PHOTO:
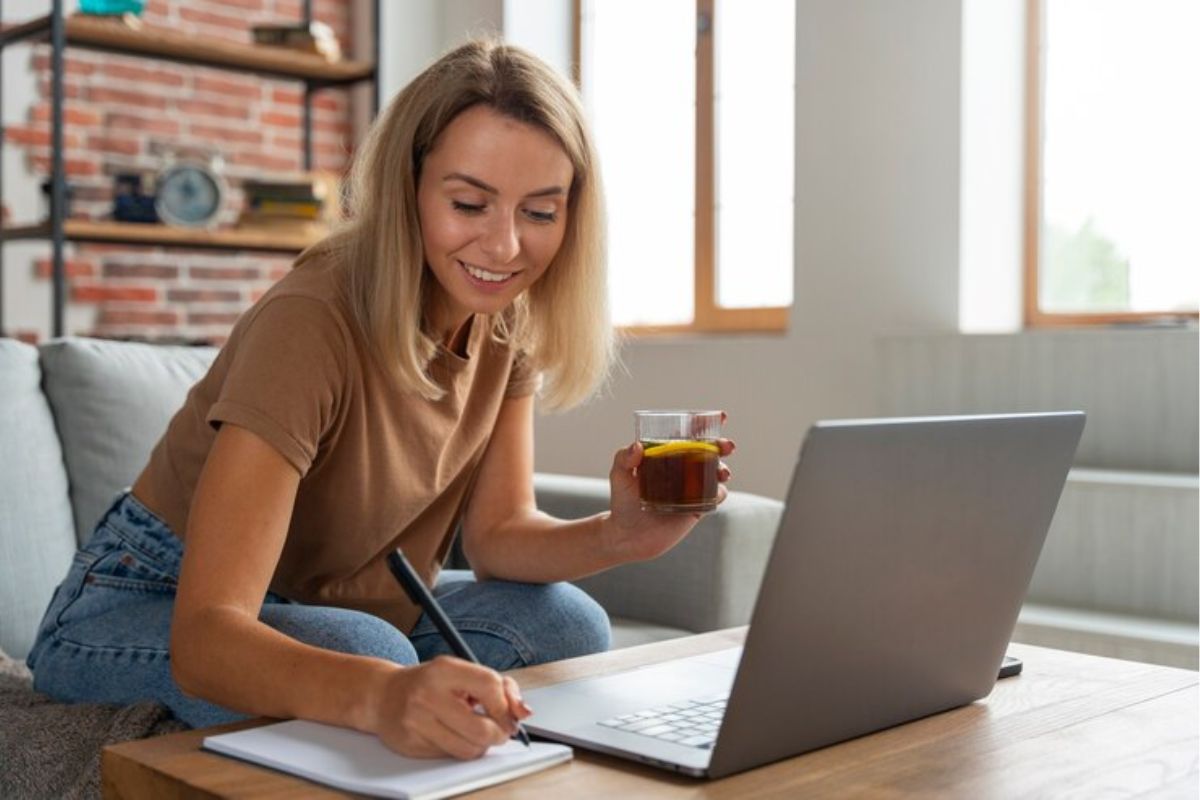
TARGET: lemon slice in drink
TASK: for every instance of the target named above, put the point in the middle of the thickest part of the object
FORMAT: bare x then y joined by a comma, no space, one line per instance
679,447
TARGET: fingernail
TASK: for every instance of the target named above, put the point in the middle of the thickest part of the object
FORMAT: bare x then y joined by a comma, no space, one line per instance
525,707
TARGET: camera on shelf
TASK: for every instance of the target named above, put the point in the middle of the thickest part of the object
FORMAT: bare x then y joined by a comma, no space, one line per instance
130,202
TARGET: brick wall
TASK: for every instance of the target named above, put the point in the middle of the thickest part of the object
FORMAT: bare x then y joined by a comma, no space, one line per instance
130,114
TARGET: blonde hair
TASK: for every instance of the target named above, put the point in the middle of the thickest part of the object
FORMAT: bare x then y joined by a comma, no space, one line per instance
561,324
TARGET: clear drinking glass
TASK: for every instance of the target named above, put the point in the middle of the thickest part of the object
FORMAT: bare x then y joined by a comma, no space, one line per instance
680,456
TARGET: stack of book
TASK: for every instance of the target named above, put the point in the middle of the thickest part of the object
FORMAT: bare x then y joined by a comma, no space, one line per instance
306,204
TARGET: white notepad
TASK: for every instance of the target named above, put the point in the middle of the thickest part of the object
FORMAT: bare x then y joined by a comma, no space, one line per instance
359,762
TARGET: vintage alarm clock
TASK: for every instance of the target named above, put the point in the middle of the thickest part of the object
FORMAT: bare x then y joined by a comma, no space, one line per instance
189,193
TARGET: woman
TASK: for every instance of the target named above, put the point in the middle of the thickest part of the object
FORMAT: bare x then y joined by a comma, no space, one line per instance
377,397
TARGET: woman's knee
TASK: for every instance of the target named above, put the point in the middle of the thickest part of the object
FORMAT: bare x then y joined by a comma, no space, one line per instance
341,629
568,623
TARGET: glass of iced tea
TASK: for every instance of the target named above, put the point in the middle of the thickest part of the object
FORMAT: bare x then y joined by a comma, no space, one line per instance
680,456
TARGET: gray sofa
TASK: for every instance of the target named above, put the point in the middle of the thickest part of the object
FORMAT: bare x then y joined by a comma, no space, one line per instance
78,418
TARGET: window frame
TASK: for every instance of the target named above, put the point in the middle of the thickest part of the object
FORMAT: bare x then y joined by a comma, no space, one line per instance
1035,97
707,315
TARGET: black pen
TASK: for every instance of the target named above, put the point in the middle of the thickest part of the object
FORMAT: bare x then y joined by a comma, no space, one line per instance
419,594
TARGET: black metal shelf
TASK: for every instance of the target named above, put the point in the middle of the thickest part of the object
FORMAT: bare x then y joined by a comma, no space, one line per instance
115,36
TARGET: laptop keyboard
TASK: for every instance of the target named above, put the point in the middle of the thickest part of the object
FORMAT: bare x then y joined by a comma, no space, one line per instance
692,723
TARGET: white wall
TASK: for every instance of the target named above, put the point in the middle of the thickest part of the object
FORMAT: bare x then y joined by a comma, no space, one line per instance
415,32
877,180
547,27
418,31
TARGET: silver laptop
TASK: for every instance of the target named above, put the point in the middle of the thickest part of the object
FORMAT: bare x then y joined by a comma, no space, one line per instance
901,560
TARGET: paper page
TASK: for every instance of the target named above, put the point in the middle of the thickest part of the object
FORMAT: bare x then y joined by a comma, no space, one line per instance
359,762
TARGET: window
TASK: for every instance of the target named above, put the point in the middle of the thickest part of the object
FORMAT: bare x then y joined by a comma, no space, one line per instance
1113,161
692,104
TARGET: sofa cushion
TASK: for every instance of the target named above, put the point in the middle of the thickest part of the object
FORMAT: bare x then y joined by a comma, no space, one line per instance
37,532
628,632
112,401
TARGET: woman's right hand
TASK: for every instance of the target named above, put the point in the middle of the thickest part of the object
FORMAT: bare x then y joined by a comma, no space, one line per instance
447,707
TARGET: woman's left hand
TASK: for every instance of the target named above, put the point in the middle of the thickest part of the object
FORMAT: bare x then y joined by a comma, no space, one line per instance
637,535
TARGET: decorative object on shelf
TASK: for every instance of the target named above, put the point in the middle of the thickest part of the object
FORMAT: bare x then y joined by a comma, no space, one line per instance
307,37
111,8
190,193
130,204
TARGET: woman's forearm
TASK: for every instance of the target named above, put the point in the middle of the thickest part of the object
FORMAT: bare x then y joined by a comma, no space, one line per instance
537,548
225,657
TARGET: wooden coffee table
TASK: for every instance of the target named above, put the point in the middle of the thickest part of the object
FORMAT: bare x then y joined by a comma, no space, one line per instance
1069,725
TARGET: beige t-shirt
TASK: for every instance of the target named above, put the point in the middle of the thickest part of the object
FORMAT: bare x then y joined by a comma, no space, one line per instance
379,469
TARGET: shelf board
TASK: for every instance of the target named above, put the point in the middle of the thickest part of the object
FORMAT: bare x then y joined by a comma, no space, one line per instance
113,35
153,235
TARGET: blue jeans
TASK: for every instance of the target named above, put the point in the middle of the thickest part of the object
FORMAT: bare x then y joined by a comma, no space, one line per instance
105,633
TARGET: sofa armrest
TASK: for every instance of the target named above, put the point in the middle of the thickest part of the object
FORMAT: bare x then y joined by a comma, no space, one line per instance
708,581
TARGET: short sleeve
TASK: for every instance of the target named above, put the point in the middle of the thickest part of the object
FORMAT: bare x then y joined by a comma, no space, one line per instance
286,376
523,378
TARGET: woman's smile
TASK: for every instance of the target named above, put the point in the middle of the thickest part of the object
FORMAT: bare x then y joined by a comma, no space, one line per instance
487,280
